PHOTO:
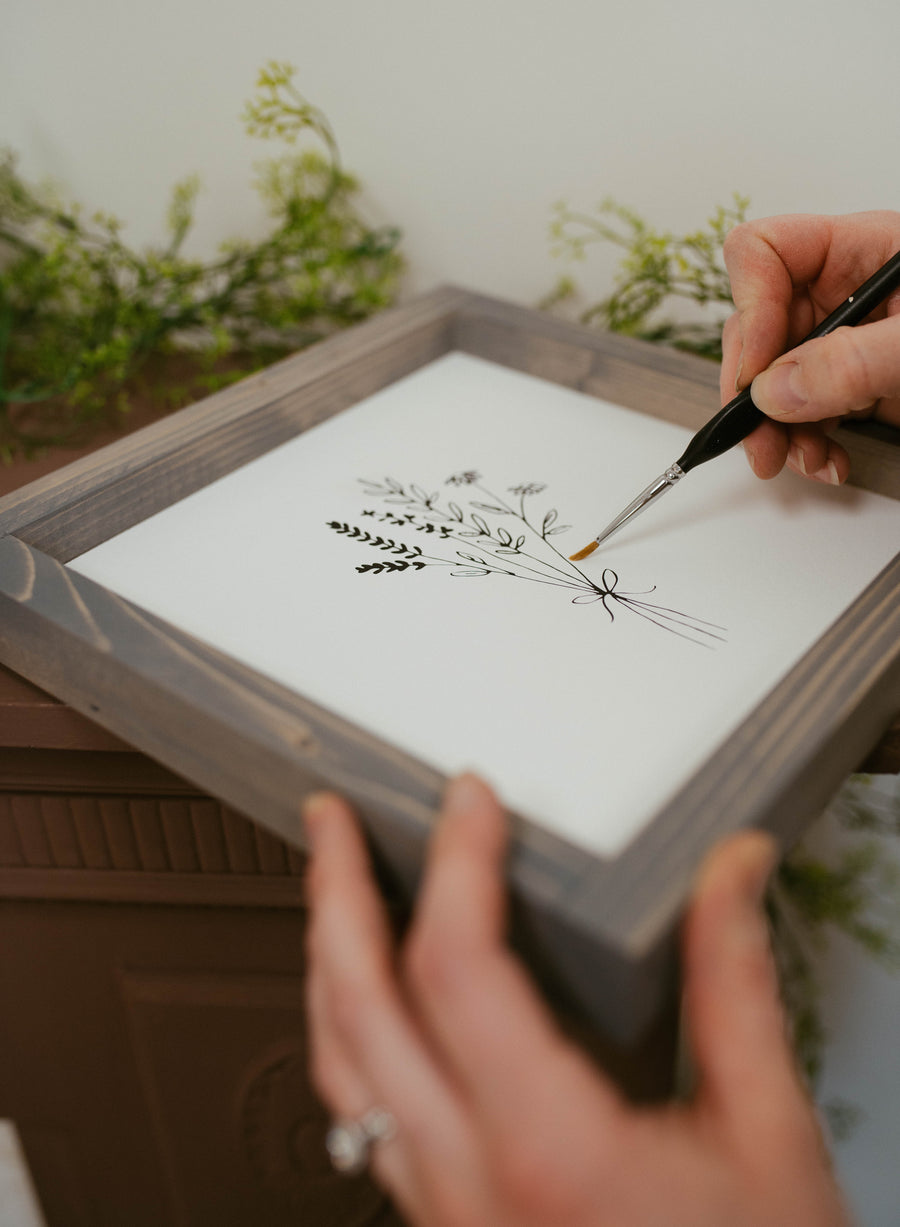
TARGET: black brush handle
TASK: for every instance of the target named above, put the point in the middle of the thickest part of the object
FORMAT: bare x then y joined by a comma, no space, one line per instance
740,416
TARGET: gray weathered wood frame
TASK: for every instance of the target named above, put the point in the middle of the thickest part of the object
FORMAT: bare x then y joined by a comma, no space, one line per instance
599,932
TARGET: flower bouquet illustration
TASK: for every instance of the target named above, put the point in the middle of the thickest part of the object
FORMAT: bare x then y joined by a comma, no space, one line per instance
476,533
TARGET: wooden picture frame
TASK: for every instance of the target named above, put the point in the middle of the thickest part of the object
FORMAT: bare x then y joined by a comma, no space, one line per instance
598,932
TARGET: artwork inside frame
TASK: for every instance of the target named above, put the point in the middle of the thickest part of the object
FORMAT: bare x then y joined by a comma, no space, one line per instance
443,614
600,920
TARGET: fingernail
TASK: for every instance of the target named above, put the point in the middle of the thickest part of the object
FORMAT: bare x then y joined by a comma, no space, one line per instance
462,794
313,813
780,390
797,458
828,473
761,856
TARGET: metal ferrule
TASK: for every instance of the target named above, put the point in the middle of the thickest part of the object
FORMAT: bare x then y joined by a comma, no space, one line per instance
672,475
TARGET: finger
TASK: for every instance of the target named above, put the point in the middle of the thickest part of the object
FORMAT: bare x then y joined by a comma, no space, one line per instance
348,921
888,410
806,449
831,376
333,1074
808,452
349,1096
452,947
363,1039
788,272
730,371
479,1005
735,1018
766,449
762,290
812,453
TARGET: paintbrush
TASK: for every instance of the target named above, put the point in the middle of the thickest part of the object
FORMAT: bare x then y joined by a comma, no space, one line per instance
740,416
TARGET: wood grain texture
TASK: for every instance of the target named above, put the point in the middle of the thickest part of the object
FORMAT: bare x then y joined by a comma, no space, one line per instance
874,451
141,887
30,717
598,933
662,382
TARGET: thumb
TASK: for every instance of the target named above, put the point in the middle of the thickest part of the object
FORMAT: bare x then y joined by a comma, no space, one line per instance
734,1015
844,372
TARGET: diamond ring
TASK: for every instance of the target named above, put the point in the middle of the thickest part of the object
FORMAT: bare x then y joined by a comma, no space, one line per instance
349,1141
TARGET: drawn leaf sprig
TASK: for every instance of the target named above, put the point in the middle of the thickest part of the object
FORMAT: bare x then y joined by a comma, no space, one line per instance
402,564
549,527
527,552
490,507
377,541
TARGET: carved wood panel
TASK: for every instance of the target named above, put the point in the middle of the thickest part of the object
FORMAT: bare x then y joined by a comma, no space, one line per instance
247,1144
154,1057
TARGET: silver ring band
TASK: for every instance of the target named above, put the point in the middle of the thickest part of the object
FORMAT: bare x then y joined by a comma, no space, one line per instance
349,1141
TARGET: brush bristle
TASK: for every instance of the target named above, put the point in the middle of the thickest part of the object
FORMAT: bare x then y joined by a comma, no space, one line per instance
588,549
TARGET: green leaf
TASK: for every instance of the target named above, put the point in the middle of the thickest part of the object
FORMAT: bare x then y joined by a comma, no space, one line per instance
654,270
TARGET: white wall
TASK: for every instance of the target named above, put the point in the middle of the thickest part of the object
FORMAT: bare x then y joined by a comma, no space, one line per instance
467,120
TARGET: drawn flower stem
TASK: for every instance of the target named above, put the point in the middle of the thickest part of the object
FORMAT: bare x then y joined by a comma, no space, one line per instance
426,505
471,530
668,619
567,581
569,569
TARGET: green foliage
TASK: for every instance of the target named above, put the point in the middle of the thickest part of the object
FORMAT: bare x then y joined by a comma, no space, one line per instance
855,893
859,813
81,312
656,267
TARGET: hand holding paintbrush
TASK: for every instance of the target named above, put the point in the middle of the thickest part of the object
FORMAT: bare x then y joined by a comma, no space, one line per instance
800,277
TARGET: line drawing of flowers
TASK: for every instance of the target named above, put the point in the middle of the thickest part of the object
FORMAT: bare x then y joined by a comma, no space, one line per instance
499,538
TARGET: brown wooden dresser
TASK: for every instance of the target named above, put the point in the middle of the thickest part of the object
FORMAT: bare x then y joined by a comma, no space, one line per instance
152,1039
